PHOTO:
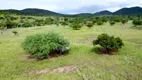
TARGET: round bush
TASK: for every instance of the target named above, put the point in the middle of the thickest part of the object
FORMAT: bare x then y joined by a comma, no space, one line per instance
89,24
100,23
108,42
112,23
137,22
42,45
76,26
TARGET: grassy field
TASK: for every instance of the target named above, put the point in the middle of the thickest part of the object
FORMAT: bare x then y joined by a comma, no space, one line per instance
127,65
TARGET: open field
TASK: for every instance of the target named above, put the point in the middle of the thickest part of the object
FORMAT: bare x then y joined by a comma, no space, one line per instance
127,65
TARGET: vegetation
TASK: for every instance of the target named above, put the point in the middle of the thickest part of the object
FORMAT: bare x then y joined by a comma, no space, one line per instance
89,24
108,42
16,64
123,21
137,23
100,23
85,64
42,45
76,26
15,32
112,22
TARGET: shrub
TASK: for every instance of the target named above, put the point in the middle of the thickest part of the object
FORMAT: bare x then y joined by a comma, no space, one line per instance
10,24
112,22
100,23
123,21
108,42
76,26
104,19
27,24
94,21
137,22
64,23
89,24
43,45
49,21
117,18
15,32
1,17
2,24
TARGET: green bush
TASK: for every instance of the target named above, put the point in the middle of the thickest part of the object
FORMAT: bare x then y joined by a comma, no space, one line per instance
89,24
10,24
2,24
15,32
100,23
112,23
76,26
42,45
27,24
137,22
123,21
108,42
49,21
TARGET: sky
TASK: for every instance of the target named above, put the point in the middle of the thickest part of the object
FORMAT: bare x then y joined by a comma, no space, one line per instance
70,6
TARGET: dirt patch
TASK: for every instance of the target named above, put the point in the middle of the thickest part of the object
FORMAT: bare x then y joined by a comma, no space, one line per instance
64,69
40,71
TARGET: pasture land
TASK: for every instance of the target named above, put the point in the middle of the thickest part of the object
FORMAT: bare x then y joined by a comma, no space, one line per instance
127,65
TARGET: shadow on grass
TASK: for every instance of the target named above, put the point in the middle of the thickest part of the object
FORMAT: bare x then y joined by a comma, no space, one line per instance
101,50
52,55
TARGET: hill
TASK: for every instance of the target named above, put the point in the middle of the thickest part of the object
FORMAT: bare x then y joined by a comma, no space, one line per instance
33,11
129,11
106,12
42,12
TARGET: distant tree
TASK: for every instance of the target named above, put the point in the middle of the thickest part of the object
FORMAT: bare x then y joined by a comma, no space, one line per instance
76,26
12,18
117,18
66,19
112,23
100,22
15,32
27,24
104,19
2,24
123,21
49,21
11,24
89,24
64,23
137,22
94,21
40,22
2,18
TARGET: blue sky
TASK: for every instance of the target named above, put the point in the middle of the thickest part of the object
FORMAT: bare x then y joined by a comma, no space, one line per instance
70,6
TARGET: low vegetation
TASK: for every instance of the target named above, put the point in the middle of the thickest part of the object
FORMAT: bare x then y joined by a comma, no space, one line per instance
43,45
40,42
108,42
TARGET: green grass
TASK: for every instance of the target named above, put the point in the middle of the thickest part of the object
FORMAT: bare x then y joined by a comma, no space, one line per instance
91,66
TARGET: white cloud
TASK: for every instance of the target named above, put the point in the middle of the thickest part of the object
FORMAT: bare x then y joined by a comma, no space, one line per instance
70,6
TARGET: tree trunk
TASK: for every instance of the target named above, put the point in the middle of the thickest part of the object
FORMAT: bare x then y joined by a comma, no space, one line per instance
107,51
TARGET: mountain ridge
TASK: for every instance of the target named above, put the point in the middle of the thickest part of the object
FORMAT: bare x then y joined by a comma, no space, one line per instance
42,12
